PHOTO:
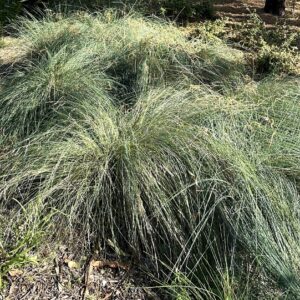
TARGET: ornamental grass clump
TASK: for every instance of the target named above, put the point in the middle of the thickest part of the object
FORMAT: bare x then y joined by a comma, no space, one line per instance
143,52
161,178
130,175
135,50
83,57
273,126
128,129
38,91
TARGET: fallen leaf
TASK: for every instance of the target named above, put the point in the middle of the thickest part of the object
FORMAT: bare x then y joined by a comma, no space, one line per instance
108,296
15,272
108,263
72,264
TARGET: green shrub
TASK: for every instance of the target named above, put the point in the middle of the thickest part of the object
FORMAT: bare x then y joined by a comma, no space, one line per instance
277,59
269,50
276,48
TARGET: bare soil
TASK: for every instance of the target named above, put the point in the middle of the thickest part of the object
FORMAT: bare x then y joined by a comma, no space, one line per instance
64,275
239,10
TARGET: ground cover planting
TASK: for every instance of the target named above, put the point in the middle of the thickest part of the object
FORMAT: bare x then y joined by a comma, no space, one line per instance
155,144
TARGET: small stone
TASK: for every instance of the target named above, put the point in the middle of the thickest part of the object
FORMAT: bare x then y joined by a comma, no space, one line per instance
104,283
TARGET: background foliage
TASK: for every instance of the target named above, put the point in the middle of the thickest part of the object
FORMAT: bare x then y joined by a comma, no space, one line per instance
180,9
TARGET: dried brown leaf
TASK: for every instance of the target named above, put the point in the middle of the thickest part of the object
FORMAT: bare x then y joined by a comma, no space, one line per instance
15,272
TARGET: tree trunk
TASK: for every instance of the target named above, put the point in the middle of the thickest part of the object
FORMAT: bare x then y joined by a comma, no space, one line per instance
276,7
